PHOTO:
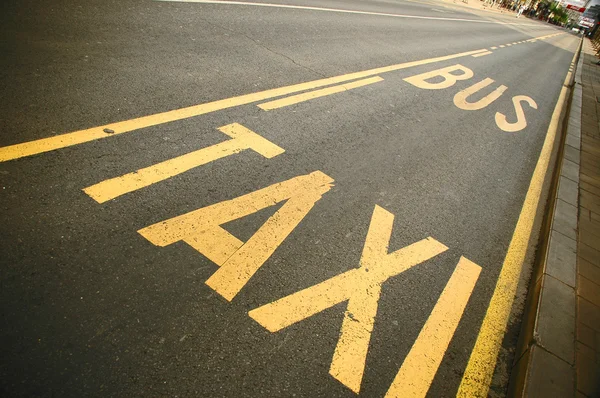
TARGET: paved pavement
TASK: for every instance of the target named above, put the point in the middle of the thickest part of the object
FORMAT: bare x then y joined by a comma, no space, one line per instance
346,236
588,242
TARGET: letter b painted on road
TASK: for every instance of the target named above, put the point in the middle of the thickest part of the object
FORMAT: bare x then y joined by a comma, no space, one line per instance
450,74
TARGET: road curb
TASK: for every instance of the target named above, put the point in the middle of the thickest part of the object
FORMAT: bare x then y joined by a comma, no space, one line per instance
545,359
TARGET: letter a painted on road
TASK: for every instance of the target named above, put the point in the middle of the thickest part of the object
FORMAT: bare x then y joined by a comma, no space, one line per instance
239,260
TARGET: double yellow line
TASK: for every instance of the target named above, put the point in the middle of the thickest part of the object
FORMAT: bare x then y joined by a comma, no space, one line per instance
108,130
95,133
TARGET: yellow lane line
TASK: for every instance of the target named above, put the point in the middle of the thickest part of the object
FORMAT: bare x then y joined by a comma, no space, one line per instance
267,106
422,362
502,46
494,48
242,138
79,137
481,54
478,375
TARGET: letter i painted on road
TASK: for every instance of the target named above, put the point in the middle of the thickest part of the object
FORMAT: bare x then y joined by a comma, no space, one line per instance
422,362
239,260
241,139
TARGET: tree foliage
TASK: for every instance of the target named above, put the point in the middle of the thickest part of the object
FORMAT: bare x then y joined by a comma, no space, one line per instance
559,14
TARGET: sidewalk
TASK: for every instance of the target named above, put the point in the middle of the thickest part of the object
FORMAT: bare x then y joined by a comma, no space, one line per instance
558,354
587,362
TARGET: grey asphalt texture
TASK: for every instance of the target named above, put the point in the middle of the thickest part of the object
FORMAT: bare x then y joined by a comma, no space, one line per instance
91,308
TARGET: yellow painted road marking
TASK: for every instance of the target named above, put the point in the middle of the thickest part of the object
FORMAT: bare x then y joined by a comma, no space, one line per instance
460,99
422,362
450,79
521,122
242,138
30,148
502,46
267,106
509,44
202,229
478,375
79,137
361,287
494,48
35,147
481,54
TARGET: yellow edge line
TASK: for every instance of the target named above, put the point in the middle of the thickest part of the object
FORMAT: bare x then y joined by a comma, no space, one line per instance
480,369
317,93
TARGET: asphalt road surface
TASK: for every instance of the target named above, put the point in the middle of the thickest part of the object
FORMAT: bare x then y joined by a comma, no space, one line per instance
234,200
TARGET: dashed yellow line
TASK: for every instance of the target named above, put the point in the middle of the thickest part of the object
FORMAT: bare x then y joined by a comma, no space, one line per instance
280,103
481,54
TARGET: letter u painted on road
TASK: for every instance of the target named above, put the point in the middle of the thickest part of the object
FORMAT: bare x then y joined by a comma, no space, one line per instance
460,99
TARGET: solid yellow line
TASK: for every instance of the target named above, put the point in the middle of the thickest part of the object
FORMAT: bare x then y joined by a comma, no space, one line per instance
422,362
481,54
478,375
280,103
79,137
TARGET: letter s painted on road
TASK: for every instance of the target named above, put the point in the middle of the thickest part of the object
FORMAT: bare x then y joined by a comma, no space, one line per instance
521,122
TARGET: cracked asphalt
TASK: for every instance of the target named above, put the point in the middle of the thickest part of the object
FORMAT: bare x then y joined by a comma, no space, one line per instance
91,307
